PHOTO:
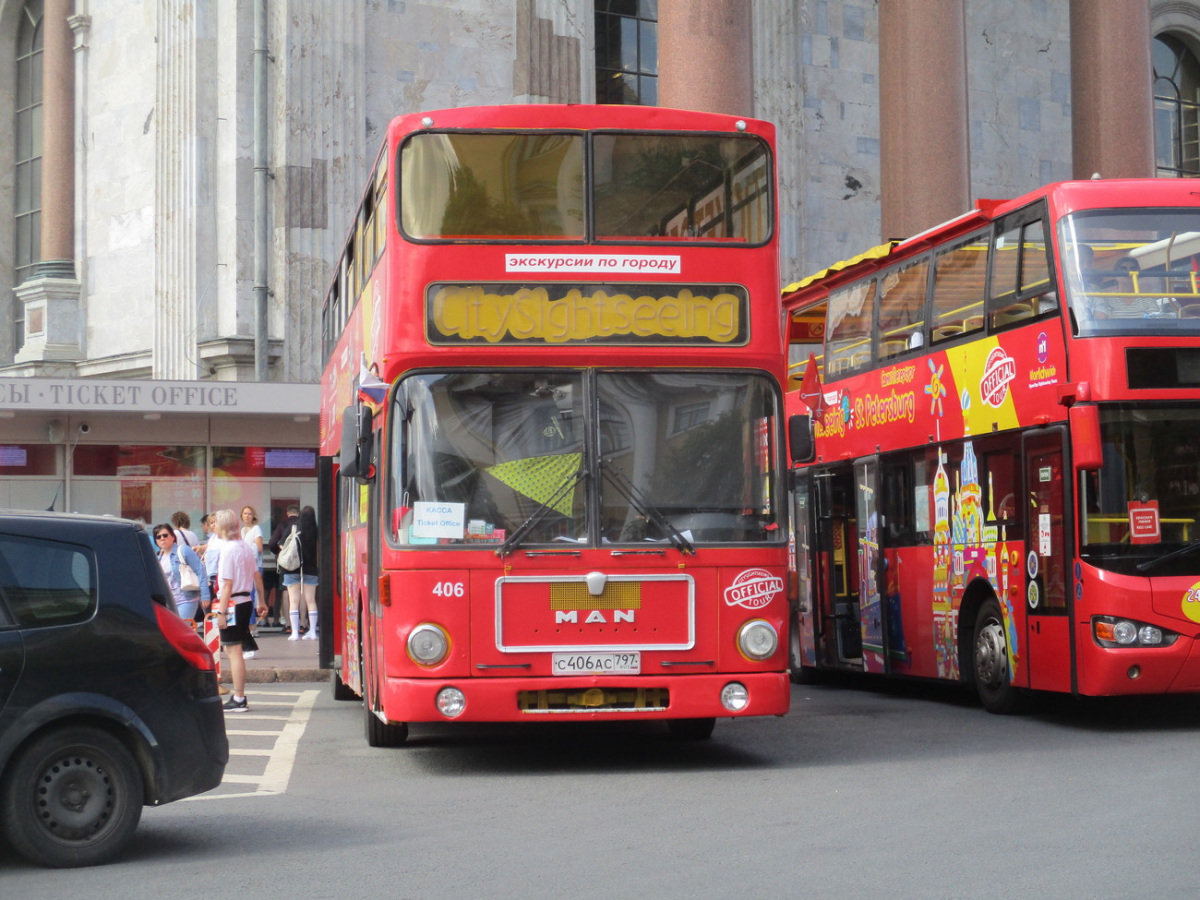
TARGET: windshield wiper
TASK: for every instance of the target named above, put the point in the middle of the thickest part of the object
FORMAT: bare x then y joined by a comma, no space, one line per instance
1158,560
638,501
514,540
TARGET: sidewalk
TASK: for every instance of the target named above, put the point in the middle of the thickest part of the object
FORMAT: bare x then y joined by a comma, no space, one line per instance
279,659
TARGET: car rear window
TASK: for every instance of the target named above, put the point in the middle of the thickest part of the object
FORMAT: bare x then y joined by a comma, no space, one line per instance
45,582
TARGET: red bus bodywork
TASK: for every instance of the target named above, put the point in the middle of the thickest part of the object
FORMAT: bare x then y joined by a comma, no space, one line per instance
976,455
495,611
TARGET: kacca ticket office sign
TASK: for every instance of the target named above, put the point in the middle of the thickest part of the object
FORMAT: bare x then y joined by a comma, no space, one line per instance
692,315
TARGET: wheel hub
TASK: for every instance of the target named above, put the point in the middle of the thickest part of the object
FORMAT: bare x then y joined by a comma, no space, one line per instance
74,798
991,655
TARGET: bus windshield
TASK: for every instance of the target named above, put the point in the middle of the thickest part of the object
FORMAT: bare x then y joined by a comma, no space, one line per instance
1133,271
1139,512
679,458
646,187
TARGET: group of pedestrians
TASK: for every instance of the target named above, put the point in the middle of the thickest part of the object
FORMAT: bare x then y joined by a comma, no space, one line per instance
226,577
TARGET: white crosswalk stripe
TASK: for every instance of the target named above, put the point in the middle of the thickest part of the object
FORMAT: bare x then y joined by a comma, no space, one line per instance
247,749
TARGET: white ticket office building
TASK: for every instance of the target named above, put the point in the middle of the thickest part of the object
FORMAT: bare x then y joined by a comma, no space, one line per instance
145,449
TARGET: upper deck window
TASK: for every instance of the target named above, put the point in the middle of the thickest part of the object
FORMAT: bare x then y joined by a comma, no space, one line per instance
676,187
522,186
533,187
1132,271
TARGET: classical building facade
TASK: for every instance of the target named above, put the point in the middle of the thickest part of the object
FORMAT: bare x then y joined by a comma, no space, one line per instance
179,174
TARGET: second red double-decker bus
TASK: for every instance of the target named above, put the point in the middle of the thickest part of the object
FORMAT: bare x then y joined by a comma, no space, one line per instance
551,423
1005,485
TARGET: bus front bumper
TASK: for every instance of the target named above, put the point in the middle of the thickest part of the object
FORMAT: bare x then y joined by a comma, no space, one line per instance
1143,670
601,698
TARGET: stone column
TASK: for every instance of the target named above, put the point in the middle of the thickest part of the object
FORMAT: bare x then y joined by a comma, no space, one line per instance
58,141
54,330
925,164
1112,103
704,56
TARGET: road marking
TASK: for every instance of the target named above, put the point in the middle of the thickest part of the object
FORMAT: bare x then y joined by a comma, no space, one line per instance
280,756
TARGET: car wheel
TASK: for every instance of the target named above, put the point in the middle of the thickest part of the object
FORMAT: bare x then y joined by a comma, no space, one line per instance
691,729
72,798
990,658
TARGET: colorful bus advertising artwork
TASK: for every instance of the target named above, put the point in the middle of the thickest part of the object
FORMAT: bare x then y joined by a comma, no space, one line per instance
996,449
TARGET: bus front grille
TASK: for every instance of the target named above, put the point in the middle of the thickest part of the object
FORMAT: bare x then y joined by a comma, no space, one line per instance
594,700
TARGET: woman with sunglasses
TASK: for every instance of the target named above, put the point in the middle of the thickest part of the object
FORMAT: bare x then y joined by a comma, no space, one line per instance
170,553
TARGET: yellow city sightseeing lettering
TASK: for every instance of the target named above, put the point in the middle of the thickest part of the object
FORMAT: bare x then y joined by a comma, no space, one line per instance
471,312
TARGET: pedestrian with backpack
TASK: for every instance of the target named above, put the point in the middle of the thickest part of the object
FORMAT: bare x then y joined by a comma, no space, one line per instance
301,582
275,544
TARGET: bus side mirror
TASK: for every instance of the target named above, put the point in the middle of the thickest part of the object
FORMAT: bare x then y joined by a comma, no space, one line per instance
800,438
354,459
1087,452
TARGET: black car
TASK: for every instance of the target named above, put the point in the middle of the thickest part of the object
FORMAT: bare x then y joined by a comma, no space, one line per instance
108,700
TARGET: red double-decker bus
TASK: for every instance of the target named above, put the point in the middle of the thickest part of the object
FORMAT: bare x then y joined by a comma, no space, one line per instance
552,423
1002,482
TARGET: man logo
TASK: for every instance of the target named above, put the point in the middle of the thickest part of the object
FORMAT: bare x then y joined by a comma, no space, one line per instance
595,617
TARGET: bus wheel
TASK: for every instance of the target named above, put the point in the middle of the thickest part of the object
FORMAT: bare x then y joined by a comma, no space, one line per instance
691,729
340,689
381,733
992,680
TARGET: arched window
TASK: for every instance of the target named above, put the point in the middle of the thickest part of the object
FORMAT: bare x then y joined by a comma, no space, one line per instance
627,51
27,130
1176,108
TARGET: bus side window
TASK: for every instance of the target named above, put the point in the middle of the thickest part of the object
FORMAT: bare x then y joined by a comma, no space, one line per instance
902,309
848,335
1000,498
1022,287
958,290
897,505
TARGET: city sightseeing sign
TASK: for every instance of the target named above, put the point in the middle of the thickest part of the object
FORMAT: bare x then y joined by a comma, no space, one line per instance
556,314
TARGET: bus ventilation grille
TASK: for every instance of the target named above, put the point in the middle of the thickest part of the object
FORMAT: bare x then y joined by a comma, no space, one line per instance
595,700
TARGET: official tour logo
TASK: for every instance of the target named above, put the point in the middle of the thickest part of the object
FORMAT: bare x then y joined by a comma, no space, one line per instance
753,589
999,370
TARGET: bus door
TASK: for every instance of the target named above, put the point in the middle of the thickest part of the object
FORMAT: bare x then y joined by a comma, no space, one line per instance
871,564
805,622
1047,562
836,569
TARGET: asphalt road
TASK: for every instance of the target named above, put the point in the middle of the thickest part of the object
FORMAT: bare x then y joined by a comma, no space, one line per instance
904,793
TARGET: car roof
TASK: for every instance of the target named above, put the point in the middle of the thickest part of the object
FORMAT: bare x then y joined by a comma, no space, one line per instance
42,518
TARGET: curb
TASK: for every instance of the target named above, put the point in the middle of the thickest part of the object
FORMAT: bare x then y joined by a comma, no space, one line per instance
272,676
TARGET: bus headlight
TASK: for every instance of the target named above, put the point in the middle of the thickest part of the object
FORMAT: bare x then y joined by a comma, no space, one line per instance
1125,633
735,697
1109,631
757,640
428,644
451,702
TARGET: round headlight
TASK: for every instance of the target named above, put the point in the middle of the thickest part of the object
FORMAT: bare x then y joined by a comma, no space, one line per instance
428,645
1125,632
451,702
735,697
757,639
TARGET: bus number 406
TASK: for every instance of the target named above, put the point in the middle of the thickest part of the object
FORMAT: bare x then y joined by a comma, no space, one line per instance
449,589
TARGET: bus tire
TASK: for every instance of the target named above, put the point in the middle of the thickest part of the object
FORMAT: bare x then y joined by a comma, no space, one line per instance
383,734
341,691
73,797
691,729
989,661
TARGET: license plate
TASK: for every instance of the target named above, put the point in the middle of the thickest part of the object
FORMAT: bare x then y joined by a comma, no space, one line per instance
624,663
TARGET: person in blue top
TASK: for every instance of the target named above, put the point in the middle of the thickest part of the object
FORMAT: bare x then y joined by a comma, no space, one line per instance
170,553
